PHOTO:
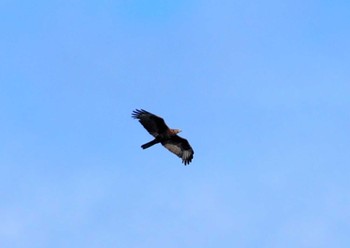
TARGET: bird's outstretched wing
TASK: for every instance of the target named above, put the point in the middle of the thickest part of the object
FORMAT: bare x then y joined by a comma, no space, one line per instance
180,147
155,125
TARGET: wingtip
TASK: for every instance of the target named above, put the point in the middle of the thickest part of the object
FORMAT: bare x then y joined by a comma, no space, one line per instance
135,113
186,162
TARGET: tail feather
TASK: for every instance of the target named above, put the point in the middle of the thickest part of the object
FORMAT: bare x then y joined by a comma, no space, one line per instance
149,144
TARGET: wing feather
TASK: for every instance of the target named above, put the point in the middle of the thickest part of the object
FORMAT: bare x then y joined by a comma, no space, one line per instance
155,125
180,147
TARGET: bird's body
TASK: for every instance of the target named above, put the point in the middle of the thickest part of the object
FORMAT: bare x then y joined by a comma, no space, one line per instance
168,137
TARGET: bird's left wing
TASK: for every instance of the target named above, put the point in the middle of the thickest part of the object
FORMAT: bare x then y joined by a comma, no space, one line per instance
180,147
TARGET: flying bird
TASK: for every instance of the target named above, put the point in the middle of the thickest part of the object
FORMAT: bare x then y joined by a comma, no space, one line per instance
168,137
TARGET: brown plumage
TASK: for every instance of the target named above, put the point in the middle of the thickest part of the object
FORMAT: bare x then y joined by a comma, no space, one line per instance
156,126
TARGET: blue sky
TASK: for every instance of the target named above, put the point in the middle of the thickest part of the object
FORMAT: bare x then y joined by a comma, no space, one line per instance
260,89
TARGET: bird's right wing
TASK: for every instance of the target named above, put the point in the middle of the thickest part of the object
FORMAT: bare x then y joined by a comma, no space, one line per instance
152,123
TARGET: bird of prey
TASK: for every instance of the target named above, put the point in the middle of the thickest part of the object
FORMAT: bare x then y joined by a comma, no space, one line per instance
168,137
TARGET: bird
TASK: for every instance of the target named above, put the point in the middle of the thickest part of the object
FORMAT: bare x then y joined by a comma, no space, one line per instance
168,137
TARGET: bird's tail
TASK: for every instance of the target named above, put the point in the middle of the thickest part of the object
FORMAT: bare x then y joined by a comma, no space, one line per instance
149,144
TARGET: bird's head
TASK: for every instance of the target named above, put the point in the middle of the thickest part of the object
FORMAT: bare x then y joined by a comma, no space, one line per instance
175,131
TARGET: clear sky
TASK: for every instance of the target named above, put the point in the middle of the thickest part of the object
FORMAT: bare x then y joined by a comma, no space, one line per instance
261,89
